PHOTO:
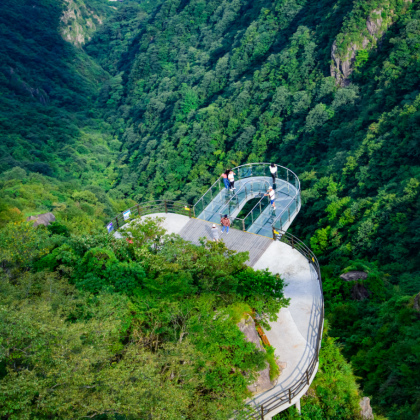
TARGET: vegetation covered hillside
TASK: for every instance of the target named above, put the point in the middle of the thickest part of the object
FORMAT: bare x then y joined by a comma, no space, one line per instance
328,89
91,325
165,96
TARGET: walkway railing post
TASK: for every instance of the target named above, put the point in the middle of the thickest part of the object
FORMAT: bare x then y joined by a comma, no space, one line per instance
138,209
262,412
274,235
189,212
307,377
290,396
243,224
293,245
166,207
117,223
288,181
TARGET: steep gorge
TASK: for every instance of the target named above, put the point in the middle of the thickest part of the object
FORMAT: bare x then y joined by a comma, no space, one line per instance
154,99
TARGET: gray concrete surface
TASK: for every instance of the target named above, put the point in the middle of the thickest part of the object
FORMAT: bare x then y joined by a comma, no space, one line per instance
294,333
173,223
236,240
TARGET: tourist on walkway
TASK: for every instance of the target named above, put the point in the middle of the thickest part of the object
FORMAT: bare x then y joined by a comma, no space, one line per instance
273,170
231,178
271,193
215,233
225,179
225,222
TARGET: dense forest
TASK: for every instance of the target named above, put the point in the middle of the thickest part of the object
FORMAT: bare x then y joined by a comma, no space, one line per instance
107,104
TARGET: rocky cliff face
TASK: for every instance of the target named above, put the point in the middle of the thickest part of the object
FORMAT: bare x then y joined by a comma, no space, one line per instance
365,409
263,383
343,64
79,23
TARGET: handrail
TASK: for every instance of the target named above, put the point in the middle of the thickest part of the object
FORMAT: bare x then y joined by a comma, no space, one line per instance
254,170
286,396
236,195
149,207
282,397
243,219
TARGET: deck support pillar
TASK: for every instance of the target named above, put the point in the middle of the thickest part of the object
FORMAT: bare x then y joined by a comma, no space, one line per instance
297,405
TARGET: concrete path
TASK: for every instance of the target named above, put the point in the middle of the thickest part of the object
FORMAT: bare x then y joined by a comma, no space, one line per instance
294,333
173,223
236,240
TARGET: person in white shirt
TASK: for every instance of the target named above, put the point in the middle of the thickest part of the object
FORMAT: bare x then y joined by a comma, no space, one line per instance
271,193
231,178
273,170
215,233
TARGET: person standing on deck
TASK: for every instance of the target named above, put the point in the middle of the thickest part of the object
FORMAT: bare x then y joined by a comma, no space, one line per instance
231,178
271,193
225,179
215,233
273,170
225,222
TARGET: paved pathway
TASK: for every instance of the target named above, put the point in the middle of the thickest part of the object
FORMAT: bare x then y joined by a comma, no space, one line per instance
294,333
237,240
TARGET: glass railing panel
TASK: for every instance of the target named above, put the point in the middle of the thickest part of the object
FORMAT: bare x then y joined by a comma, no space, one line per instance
247,222
198,208
284,219
276,225
237,224
258,170
292,207
281,173
266,231
206,200
244,172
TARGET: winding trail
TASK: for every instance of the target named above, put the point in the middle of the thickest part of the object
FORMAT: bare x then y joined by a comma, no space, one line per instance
294,334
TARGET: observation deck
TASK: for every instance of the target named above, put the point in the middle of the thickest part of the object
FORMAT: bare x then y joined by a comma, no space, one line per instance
251,183
296,335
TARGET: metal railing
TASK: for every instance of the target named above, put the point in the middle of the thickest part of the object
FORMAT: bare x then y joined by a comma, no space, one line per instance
249,190
256,170
247,221
149,207
286,396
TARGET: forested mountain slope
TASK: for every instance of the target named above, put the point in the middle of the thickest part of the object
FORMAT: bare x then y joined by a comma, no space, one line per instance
164,96
81,19
51,136
328,89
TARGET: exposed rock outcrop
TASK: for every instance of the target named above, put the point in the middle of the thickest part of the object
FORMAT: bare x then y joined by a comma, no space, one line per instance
365,409
263,383
359,291
78,24
42,219
354,275
416,305
36,93
343,66
247,326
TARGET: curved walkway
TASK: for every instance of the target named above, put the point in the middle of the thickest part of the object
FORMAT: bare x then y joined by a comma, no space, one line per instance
285,194
294,333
